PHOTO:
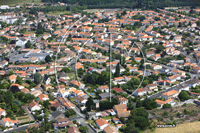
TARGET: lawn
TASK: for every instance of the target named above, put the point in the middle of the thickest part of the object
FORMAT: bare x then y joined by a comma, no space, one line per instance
58,13
15,2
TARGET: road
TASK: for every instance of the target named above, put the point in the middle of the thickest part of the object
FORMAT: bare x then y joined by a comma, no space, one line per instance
82,121
28,112
23,127
193,76
142,28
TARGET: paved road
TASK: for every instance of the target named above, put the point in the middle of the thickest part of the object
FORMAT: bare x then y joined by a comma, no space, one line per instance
28,112
142,28
23,127
193,76
82,121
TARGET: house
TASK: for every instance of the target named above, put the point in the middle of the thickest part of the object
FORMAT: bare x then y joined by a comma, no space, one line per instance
63,93
103,88
63,75
54,104
80,100
156,67
7,122
77,84
21,42
161,102
193,82
110,129
56,115
104,96
169,94
116,120
140,92
12,78
63,123
3,63
101,123
118,90
91,115
43,97
153,87
121,110
2,112
73,129
34,106
123,100
48,87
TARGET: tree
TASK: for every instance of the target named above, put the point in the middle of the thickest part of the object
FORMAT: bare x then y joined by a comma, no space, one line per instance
167,105
47,58
117,71
165,113
90,104
130,105
21,112
122,119
46,104
28,44
40,29
183,96
19,80
83,129
9,98
65,69
14,108
11,72
37,78
141,122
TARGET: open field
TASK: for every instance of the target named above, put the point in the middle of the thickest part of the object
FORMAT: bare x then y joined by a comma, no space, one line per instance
96,10
15,2
193,127
58,13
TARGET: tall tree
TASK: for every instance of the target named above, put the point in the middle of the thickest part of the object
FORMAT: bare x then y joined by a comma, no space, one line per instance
47,58
90,104
117,71
37,78
28,44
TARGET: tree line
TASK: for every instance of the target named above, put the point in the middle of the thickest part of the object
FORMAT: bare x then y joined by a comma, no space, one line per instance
146,4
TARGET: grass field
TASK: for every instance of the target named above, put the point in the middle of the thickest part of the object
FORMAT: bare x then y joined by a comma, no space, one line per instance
15,2
193,127
58,13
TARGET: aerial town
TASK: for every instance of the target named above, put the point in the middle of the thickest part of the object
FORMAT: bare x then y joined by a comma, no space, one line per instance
107,71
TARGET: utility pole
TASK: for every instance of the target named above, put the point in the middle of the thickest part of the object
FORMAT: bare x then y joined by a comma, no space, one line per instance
110,62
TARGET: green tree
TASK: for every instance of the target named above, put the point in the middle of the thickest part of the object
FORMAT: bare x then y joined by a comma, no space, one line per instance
37,78
90,104
117,71
183,96
167,105
46,104
9,98
47,58
28,44
142,122
19,80
11,72
83,129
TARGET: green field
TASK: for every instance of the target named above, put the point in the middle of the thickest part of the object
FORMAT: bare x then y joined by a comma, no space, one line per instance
58,13
20,2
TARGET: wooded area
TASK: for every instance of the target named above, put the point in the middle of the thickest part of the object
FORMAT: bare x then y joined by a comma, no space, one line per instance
148,4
